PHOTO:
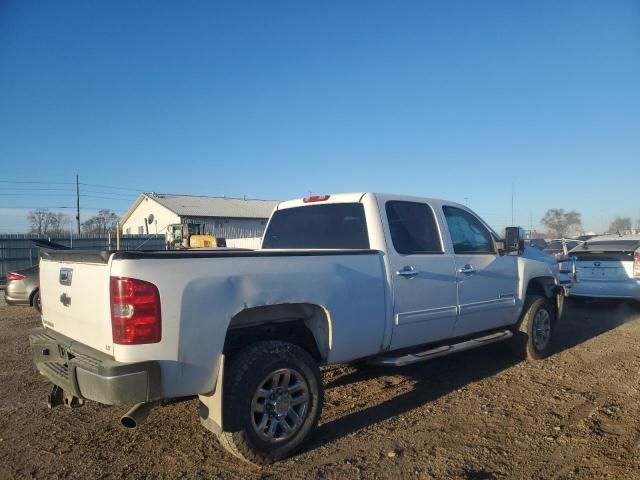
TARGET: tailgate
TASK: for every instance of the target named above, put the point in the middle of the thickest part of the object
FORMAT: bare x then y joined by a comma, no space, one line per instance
75,298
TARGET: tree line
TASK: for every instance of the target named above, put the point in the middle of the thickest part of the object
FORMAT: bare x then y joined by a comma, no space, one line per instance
561,224
46,222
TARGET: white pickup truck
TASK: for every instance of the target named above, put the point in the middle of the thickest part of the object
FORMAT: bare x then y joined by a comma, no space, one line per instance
387,279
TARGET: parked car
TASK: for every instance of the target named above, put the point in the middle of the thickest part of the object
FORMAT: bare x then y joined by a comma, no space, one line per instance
539,243
388,279
23,287
555,248
608,266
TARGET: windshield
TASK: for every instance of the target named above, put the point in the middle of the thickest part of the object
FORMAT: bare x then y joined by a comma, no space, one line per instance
330,226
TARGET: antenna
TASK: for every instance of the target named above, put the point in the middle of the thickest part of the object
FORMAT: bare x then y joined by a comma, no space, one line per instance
78,202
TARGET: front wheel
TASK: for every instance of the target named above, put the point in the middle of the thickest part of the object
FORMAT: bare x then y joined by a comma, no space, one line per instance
533,339
272,400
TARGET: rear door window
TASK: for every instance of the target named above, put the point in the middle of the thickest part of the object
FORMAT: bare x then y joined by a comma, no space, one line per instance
329,226
413,228
468,234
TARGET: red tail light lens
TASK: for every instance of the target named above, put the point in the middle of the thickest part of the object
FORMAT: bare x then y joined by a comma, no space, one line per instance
636,263
316,198
14,276
135,311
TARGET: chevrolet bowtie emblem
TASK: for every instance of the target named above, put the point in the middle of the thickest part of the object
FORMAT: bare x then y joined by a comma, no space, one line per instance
65,300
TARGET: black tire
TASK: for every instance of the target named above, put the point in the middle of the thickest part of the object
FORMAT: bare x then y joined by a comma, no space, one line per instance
247,375
36,301
538,312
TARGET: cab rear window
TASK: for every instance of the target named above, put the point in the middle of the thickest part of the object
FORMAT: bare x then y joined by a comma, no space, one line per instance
330,226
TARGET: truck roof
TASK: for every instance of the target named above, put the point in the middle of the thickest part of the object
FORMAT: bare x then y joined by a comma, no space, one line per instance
354,197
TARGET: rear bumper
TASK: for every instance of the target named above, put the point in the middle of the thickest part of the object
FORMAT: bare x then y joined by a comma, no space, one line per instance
93,375
19,297
600,289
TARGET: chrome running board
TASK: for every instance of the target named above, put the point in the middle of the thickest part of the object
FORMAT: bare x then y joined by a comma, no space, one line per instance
441,351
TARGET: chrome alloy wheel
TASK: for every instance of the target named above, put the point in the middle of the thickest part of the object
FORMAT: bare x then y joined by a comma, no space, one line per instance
280,405
541,329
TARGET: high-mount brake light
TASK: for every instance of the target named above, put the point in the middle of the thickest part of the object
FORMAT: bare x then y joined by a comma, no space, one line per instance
135,311
316,198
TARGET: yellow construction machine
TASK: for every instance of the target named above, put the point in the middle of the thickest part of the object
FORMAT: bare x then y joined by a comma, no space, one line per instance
186,236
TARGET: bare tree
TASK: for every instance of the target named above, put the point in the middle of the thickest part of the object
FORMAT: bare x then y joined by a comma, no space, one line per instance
45,222
39,219
620,225
560,223
102,223
58,223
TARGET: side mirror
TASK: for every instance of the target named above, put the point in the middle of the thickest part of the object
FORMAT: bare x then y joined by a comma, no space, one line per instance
513,241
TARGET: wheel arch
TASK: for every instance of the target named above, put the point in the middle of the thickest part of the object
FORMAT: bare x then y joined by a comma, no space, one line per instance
304,324
543,286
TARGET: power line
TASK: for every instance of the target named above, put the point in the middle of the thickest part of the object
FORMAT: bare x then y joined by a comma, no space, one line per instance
42,182
112,187
107,198
116,194
55,207
44,195
37,182
36,189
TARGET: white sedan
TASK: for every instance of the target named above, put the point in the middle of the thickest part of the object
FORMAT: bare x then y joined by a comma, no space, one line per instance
608,266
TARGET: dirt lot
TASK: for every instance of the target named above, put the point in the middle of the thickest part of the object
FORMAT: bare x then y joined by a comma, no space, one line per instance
477,415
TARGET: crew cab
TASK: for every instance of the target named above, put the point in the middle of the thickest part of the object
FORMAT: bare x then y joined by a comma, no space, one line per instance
375,278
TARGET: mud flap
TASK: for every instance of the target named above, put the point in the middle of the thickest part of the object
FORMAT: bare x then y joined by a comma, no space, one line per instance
211,404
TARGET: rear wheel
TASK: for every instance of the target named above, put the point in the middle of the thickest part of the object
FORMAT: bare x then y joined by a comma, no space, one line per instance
36,302
533,339
272,400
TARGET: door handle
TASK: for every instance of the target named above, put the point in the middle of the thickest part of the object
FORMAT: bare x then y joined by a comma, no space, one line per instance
407,271
467,269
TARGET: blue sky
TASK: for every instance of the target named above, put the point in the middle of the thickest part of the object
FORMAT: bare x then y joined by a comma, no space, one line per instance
276,99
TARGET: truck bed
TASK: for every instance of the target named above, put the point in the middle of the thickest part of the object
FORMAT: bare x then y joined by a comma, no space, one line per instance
202,291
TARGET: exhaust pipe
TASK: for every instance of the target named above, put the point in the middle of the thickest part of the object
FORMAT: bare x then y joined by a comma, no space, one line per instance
136,415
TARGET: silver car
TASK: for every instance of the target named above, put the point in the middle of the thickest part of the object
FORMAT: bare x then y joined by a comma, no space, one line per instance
608,266
23,287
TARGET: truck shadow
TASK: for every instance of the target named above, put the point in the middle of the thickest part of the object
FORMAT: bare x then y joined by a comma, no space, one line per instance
439,377
590,318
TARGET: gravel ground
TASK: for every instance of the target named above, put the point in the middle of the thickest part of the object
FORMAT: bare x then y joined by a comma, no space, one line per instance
475,415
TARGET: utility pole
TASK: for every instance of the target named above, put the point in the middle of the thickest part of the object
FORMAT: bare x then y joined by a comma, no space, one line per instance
512,204
78,202
531,222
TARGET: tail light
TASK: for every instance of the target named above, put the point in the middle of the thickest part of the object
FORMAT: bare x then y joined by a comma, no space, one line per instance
135,311
12,276
316,198
636,263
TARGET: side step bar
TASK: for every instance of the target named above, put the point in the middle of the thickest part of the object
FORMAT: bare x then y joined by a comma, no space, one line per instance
408,359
